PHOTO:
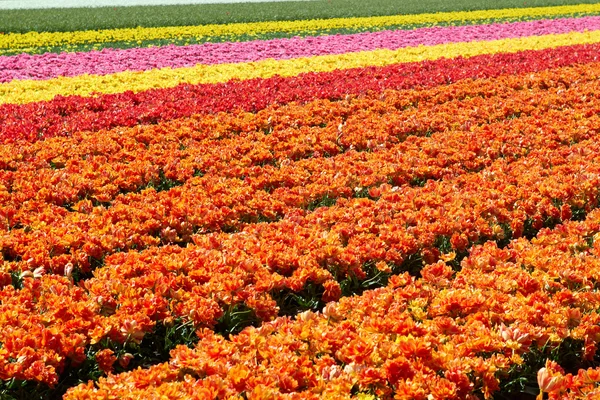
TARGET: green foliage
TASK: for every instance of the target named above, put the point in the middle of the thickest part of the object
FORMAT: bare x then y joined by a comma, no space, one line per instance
418,181
521,380
292,303
362,193
375,278
162,183
578,213
156,346
324,201
412,264
16,280
235,318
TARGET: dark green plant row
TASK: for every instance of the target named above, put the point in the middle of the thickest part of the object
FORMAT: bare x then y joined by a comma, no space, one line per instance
65,20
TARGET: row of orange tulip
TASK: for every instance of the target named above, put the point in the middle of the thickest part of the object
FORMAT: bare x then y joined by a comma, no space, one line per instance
49,323
123,160
451,335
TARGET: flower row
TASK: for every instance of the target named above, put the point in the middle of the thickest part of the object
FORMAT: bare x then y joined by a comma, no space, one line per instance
109,61
451,335
257,270
118,244
38,39
65,115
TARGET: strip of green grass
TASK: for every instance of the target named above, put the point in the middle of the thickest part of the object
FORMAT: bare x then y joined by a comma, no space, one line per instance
65,20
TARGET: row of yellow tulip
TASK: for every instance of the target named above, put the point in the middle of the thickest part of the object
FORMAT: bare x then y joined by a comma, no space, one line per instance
37,39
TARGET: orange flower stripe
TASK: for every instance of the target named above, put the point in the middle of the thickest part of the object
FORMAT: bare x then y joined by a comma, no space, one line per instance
526,151
473,325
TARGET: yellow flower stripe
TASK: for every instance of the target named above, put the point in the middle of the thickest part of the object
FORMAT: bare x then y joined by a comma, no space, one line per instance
39,39
86,85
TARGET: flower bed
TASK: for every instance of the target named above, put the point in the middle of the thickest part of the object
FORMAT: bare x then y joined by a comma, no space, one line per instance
110,61
397,213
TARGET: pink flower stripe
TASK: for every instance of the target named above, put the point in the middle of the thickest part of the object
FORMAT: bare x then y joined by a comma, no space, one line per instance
108,61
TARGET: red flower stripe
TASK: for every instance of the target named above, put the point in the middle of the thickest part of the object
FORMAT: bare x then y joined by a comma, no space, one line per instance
65,115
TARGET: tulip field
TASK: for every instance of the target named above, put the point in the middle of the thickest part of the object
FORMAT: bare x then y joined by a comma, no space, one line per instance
398,206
